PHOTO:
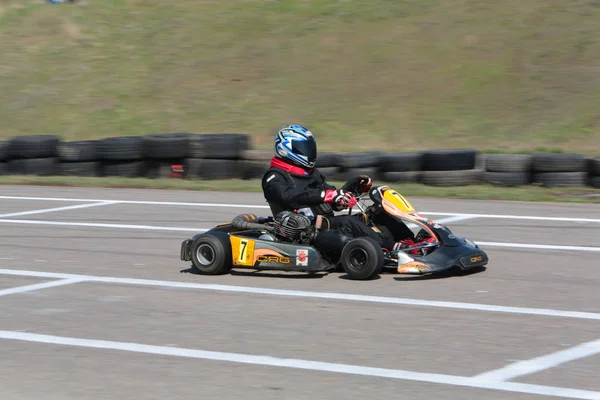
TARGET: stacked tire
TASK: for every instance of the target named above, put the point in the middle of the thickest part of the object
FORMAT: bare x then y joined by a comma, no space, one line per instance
507,169
329,165
122,156
32,155
594,172
400,167
79,158
217,156
457,167
559,170
165,154
256,163
3,156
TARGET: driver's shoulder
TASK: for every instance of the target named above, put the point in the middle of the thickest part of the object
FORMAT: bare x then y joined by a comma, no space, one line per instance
272,174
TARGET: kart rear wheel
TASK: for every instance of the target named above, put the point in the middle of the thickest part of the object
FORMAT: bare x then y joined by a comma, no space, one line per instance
211,253
362,259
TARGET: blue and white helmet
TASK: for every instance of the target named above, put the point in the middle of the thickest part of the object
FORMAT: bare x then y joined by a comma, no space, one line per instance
296,144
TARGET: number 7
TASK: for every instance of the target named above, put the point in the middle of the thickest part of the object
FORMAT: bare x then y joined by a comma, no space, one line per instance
243,243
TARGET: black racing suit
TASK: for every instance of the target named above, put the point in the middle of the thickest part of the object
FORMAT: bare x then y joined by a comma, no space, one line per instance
289,191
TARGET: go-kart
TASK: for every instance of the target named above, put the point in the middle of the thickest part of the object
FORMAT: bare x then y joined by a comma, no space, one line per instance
294,242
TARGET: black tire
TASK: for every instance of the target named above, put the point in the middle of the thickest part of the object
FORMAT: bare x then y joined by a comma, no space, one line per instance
330,172
162,169
254,169
362,258
507,178
125,169
594,166
451,178
449,160
508,162
558,162
225,146
4,145
560,179
349,173
3,168
328,160
401,176
166,146
359,160
121,148
263,156
34,146
85,168
213,169
594,181
401,162
211,253
79,151
32,166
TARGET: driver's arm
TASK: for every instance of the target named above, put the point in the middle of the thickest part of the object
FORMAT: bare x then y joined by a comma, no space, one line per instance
278,190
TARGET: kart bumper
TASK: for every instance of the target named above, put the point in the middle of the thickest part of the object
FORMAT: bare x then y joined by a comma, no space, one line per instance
185,250
473,260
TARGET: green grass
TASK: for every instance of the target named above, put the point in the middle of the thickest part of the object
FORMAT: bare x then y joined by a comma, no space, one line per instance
480,192
505,75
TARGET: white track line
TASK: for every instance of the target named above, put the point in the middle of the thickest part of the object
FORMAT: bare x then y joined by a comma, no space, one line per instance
457,218
538,364
538,246
525,217
99,225
49,210
155,203
170,203
303,365
200,230
312,295
38,286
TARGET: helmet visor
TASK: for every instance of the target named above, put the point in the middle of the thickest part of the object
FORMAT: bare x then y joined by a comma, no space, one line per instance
307,148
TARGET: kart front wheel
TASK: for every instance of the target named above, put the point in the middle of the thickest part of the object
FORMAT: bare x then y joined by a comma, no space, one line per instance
362,259
211,253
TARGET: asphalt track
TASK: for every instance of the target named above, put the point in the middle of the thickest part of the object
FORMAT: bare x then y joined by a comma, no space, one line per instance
95,304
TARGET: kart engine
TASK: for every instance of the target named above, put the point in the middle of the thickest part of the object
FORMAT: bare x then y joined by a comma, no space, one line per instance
292,227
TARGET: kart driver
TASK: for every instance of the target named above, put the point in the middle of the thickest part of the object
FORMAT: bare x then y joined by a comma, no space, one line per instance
292,183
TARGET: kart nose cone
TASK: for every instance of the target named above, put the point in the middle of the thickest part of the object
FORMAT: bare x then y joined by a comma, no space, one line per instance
408,265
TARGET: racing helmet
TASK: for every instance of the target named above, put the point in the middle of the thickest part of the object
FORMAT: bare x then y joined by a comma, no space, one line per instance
296,144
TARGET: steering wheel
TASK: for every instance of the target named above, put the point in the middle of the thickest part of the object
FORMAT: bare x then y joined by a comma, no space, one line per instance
354,186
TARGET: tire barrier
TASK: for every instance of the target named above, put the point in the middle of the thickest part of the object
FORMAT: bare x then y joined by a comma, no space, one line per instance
559,170
594,172
229,156
507,169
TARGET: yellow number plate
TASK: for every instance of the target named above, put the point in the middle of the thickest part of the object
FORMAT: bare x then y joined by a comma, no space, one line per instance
242,250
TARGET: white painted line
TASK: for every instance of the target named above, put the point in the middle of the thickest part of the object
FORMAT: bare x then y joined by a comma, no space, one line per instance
98,225
455,219
302,365
538,246
170,203
312,295
445,220
49,210
155,203
6,258
200,230
525,217
538,364
38,286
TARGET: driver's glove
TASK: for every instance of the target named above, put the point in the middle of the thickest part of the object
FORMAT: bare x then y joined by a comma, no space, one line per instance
339,198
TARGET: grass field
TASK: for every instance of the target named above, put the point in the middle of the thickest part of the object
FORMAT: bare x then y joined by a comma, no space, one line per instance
479,192
501,75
